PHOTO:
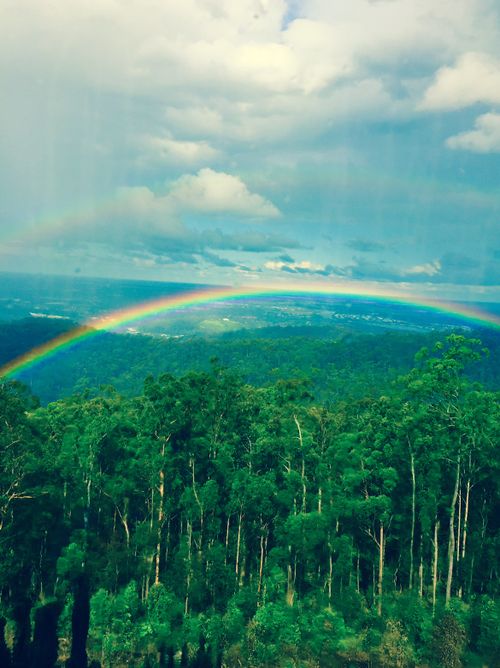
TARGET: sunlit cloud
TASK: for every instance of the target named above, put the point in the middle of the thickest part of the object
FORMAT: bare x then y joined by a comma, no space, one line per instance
209,191
474,79
218,129
485,138
167,150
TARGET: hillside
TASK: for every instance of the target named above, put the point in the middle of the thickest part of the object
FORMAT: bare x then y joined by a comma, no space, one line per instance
338,362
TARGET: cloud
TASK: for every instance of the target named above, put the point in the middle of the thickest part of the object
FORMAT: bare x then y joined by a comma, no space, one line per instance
217,260
181,244
450,268
302,267
464,270
427,269
233,102
217,192
253,64
166,150
364,269
140,222
485,138
379,270
207,192
286,258
249,241
474,79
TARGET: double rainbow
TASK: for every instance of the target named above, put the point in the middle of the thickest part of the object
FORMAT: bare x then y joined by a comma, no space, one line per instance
186,300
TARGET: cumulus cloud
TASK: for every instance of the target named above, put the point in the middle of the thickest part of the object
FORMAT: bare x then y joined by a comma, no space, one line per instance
485,138
199,56
176,151
207,192
231,88
290,266
217,192
150,226
475,78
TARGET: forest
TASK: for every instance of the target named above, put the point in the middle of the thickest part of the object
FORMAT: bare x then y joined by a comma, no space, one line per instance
339,362
208,521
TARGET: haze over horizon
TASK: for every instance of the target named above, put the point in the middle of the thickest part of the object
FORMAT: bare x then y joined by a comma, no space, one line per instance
254,142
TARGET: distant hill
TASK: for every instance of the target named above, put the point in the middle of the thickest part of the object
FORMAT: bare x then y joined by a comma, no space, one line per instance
338,362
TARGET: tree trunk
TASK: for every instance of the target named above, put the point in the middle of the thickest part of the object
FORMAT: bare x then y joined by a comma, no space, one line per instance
412,535
188,574
290,591
161,490
200,506
228,522
451,538
124,520
466,517
303,465
330,577
380,568
238,546
263,546
435,565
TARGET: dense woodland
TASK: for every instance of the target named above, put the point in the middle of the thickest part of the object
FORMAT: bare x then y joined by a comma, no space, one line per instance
210,522
340,363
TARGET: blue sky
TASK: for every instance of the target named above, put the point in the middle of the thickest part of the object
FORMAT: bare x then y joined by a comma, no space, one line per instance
252,142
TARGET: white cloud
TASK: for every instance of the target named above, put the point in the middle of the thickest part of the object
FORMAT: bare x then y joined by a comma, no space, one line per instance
475,78
406,32
198,120
485,138
217,192
427,269
167,150
303,267
207,192
240,49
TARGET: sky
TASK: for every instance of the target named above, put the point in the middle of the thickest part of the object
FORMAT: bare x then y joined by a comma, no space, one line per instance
254,142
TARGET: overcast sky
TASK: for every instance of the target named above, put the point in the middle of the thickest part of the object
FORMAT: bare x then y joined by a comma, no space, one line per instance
253,141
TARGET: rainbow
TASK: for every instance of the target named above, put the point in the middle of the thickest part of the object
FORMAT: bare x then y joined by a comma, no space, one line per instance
199,297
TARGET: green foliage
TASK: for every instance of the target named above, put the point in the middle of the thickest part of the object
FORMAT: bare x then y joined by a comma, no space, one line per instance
114,623
272,634
71,563
395,649
488,642
339,364
448,642
216,521
321,631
